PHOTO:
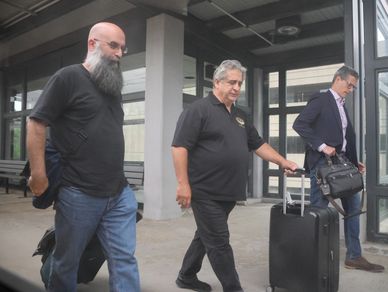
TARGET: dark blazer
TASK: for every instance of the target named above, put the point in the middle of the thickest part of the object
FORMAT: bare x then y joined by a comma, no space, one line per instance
320,122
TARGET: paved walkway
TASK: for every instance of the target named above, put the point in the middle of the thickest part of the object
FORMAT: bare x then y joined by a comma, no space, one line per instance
161,246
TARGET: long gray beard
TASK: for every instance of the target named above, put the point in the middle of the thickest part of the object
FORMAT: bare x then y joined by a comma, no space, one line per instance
105,73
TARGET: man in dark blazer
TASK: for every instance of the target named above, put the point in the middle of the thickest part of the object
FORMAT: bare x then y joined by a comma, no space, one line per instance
325,127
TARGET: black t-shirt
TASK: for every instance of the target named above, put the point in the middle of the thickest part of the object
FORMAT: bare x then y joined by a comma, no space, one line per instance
218,144
86,128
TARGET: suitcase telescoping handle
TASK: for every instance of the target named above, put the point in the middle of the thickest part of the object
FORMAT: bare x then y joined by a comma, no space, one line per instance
287,197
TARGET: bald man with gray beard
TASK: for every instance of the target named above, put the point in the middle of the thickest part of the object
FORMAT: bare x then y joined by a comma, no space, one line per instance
82,106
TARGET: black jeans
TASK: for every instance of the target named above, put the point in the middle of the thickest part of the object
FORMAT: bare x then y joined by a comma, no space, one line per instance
212,238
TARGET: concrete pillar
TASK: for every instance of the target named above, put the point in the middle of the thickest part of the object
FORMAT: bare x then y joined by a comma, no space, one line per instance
163,104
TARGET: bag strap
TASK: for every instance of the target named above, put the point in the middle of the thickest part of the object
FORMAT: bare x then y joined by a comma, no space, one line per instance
341,210
328,160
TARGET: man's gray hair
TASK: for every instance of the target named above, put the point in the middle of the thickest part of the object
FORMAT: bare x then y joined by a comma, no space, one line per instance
344,72
227,65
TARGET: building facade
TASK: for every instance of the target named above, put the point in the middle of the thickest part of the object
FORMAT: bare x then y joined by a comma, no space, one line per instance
290,49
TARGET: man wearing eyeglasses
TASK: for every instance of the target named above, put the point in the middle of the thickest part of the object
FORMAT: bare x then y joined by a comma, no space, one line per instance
82,106
325,127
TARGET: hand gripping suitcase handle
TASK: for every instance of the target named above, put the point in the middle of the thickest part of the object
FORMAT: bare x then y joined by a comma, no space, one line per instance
287,196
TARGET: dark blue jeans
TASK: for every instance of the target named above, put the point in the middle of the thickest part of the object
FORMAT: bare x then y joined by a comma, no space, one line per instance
212,238
351,205
78,216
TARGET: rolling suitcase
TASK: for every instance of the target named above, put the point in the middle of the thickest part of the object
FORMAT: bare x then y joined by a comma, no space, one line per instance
303,247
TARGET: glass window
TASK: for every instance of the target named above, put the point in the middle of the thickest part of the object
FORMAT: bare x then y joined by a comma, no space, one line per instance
274,136
134,142
302,83
133,111
382,27
208,71
294,186
13,138
134,131
134,81
295,144
34,89
243,98
15,98
189,75
273,185
273,94
134,74
383,128
383,216
206,91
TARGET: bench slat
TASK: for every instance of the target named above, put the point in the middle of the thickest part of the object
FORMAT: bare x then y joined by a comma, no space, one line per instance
134,173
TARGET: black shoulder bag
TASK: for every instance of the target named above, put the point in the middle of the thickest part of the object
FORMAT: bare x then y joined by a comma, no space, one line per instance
54,171
340,179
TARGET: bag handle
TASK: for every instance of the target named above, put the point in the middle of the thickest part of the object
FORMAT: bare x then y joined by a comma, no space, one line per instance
342,211
340,158
328,160
287,197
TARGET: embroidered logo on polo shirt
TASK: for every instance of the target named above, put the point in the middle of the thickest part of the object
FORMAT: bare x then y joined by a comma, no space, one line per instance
240,122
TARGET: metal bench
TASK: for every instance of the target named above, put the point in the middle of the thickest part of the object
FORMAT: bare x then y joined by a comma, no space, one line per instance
12,169
134,173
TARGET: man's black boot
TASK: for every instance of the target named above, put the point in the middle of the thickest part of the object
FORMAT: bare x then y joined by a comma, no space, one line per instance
193,284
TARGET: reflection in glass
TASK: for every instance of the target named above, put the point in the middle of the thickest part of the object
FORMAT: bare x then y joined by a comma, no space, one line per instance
295,152
383,128
295,144
383,215
15,98
274,136
382,27
34,89
134,74
13,139
294,187
206,91
134,142
208,71
133,110
273,185
189,75
134,80
134,130
243,99
302,83
273,93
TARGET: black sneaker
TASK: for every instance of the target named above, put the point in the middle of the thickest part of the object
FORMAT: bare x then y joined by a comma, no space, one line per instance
194,284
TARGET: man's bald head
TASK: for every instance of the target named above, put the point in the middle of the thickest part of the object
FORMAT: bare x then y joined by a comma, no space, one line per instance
105,29
109,37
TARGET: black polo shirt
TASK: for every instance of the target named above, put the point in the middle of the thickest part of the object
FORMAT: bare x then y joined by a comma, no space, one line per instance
218,143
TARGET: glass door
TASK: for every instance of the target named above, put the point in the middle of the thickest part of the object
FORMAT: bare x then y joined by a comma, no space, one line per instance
376,94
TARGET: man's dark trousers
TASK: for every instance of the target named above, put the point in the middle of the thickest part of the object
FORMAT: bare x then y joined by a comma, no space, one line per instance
212,238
